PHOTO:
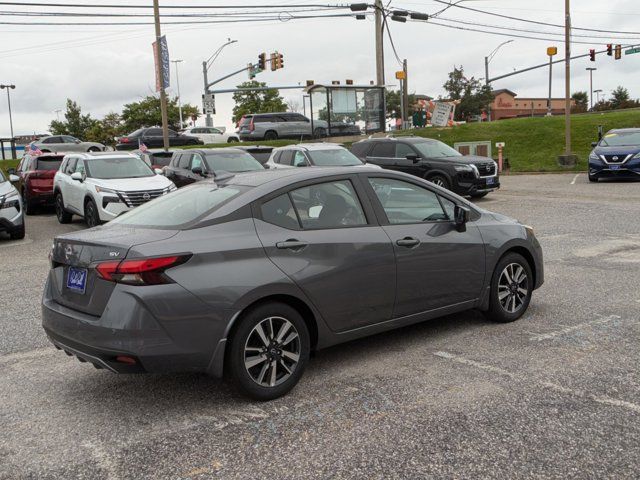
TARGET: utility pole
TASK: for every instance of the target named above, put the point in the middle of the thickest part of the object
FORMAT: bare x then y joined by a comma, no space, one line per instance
597,92
9,87
163,94
405,95
205,75
569,159
208,121
551,51
176,62
379,42
591,70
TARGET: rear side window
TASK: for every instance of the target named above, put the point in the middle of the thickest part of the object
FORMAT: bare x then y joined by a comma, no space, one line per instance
265,119
279,211
48,163
328,205
71,166
360,149
286,157
184,160
383,149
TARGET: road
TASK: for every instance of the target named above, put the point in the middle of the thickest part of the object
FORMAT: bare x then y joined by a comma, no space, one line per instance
554,395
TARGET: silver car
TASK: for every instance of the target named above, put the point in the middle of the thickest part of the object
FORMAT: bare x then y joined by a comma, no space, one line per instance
11,211
66,143
247,274
271,126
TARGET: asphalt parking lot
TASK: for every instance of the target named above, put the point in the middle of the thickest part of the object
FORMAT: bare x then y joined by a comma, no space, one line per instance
554,395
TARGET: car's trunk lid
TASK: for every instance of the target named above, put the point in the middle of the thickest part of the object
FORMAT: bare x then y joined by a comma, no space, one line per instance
75,283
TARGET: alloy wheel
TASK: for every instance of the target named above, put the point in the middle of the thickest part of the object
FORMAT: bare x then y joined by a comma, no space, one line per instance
59,208
438,181
272,351
91,215
513,287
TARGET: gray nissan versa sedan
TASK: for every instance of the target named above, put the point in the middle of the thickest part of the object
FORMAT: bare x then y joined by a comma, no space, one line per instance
246,274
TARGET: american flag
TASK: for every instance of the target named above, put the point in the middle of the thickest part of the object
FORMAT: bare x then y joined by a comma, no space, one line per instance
143,148
33,150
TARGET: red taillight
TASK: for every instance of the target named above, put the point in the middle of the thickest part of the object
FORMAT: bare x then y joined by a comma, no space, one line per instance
124,140
143,271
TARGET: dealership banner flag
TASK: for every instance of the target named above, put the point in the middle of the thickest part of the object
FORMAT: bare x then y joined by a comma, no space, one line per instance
163,74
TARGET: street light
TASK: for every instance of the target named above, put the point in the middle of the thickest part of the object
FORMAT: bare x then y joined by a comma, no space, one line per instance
9,87
206,65
176,62
591,70
598,92
487,60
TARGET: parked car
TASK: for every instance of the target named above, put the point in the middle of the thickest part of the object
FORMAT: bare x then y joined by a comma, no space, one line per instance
155,157
65,143
152,137
35,179
432,160
249,273
99,187
11,211
259,152
271,126
616,155
189,166
211,135
312,155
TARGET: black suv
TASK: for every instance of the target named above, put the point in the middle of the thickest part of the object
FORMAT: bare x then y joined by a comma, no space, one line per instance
432,160
152,137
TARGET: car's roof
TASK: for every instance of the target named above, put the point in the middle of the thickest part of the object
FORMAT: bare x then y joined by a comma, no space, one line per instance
314,146
624,130
93,155
210,151
406,138
256,148
283,177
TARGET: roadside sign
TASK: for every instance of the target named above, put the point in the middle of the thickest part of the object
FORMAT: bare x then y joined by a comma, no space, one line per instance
441,114
401,75
208,103
551,51
163,76
500,144
632,51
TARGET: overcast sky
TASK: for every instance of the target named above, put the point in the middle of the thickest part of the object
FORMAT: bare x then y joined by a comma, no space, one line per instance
104,67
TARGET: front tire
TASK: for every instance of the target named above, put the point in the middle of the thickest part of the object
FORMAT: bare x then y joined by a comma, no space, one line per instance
18,233
511,288
269,351
61,213
91,216
440,180
29,208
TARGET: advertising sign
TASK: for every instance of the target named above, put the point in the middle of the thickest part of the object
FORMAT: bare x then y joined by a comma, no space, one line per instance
441,114
162,64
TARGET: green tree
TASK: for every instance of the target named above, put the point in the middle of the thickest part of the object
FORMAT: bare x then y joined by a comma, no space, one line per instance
104,131
147,113
74,122
393,99
581,100
620,98
473,96
256,101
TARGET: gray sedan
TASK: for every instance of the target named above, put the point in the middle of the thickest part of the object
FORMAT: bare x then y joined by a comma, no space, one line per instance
66,143
247,274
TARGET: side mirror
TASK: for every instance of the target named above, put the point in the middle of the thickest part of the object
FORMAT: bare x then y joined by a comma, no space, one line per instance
78,141
14,178
77,176
158,171
594,144
11,171
266,166
302,165
413,157
461,215
197,171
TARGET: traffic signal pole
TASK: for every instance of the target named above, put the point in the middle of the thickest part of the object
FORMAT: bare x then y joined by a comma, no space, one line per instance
379,43
163,94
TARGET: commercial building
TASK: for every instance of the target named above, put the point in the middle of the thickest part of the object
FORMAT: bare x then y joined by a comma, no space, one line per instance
506,105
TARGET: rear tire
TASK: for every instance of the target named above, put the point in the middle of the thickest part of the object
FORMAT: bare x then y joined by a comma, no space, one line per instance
93,149
320,133
29,208
61,213
91,216
270,135
440,180
232,140
268,351
511,288
18,233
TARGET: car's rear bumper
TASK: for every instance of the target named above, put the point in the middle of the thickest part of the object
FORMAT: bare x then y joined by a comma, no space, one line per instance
185,339
43,197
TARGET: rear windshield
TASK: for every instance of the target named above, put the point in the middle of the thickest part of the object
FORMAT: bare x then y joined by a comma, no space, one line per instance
262,157
161,159
245,120
118,168
48,163
620,139
333,157
181,207
232,162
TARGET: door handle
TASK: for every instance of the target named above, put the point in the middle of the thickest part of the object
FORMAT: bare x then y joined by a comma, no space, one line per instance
291,244
407,242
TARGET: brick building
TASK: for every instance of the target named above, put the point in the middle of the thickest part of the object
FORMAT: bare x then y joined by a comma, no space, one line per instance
506,105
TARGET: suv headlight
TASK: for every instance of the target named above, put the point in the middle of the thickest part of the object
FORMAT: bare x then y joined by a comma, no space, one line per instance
105,190
637,155
593,156
11,200
463,168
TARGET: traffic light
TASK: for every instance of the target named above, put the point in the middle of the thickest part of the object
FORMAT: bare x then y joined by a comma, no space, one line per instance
262,61
592,54
274,65
279,60
609,49
618,52
250,72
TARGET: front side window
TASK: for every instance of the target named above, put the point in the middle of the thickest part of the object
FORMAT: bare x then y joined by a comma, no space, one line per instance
181,207
232,162
328,205
402,150
435,149
334,157
69,139
127,167
404,202
279,211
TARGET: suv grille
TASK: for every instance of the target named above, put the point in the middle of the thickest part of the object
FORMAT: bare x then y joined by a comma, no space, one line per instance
487,169
615,158
133,199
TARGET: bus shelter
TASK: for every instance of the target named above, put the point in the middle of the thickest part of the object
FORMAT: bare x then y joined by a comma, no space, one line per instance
341,110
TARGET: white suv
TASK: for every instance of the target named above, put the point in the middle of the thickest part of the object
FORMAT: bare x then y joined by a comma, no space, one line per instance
101,186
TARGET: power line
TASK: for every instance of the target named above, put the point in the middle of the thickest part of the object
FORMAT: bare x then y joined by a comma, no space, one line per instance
89,5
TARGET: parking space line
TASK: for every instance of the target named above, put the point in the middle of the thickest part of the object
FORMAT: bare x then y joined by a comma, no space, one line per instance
564,331
573,182
602,399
